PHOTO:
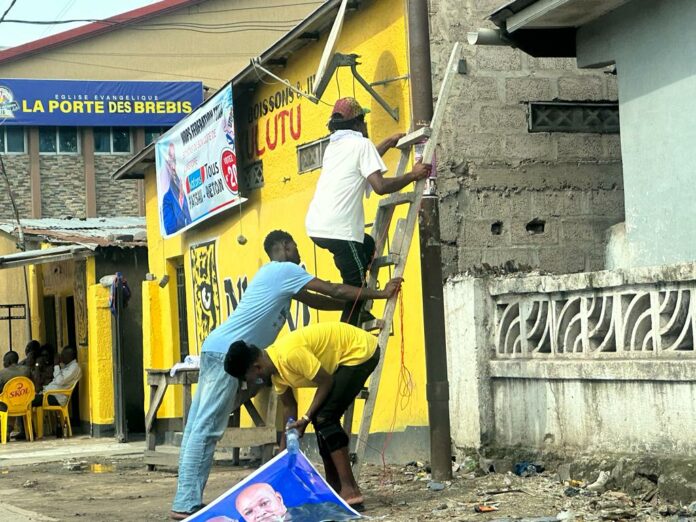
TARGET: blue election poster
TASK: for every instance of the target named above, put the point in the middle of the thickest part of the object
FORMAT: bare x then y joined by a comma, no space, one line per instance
286,489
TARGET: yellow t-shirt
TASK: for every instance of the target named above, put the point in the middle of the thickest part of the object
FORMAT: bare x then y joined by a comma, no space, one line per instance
299,355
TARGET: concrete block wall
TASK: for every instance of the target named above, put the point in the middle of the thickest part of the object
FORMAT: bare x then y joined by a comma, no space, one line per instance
62,186
18,172
498,182
114,198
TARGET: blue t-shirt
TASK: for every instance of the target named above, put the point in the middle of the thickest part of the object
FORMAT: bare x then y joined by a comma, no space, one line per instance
263,309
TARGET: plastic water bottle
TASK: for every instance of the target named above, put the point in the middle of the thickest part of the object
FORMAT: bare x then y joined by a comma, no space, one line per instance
292,437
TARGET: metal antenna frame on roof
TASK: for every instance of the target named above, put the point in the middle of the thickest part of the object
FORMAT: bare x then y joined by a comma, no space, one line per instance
255,63
351,60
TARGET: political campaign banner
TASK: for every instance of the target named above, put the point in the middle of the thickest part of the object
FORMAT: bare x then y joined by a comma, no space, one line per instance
87,103
286,489
196,165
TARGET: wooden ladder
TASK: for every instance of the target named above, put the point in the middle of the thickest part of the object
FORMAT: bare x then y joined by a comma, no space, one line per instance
398,249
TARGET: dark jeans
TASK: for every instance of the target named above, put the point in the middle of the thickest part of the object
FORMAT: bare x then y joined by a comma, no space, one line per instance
347,383
352,260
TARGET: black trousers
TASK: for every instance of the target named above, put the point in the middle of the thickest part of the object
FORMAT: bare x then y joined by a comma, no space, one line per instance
352,259
38,400
347,383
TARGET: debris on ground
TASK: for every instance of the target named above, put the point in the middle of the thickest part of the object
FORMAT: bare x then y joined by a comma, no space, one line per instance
485,508
72,465
601,481
527,469
129,492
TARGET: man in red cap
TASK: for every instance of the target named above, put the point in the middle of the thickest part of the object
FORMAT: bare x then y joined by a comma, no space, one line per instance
352,166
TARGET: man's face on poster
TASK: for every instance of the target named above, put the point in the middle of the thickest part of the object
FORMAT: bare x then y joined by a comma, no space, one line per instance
171,167
261,503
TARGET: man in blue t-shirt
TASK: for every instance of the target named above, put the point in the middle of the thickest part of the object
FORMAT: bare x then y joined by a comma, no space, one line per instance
261,314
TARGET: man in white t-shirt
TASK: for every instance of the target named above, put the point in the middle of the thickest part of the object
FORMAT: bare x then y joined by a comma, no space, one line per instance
351,168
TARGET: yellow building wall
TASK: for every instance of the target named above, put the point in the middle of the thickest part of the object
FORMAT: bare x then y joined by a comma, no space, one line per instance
99,342
97,367
12,292
161,49
376,32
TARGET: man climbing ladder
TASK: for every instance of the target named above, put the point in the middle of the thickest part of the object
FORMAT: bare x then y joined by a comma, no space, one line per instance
352,166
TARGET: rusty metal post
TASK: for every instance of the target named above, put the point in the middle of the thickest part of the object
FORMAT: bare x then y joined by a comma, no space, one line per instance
437,388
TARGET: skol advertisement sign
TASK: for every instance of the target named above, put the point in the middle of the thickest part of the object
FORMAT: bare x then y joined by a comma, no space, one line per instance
84,103
197,166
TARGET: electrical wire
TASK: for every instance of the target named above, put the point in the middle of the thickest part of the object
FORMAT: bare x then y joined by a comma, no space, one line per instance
2,18
159,55
202,25
117,22
66,8
230,31
188,76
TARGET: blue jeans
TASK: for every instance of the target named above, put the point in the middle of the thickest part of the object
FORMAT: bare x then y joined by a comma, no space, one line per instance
210,410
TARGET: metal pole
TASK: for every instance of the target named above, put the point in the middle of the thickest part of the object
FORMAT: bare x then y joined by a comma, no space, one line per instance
120,428
437,388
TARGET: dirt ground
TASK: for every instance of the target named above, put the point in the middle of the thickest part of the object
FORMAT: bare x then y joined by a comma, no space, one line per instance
121,489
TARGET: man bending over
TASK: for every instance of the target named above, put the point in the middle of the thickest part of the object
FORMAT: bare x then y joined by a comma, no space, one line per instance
334,358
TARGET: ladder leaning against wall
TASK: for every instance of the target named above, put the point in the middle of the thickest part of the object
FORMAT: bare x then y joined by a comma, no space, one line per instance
398,249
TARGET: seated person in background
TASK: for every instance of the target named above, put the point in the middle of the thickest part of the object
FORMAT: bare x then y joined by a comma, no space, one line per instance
66,372
44,365
334,358
11,369
31,353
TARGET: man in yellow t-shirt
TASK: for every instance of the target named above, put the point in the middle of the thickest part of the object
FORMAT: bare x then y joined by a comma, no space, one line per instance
334,358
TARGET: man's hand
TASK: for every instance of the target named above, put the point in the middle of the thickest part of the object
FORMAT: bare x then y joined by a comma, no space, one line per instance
420,171
392,287
300,425
389,143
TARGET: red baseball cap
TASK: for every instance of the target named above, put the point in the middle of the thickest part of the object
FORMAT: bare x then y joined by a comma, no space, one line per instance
347,109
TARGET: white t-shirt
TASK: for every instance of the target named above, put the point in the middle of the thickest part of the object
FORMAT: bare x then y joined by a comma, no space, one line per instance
336,211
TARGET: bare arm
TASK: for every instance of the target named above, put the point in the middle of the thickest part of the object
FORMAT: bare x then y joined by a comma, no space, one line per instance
389,143
352,293
324,381
318,301
382,185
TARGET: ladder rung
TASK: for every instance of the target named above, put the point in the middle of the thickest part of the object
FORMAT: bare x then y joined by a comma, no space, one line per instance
375,324
364,393
388,260
414,137
399,198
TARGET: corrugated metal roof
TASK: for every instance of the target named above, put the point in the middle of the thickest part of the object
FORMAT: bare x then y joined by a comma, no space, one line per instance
45,255
90,232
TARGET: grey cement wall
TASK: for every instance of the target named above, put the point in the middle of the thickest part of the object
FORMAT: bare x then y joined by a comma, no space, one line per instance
18,171
62,186
653,45
639,403
493,171
114,198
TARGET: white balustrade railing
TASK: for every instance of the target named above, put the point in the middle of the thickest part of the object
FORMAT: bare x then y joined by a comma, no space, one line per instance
644,320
